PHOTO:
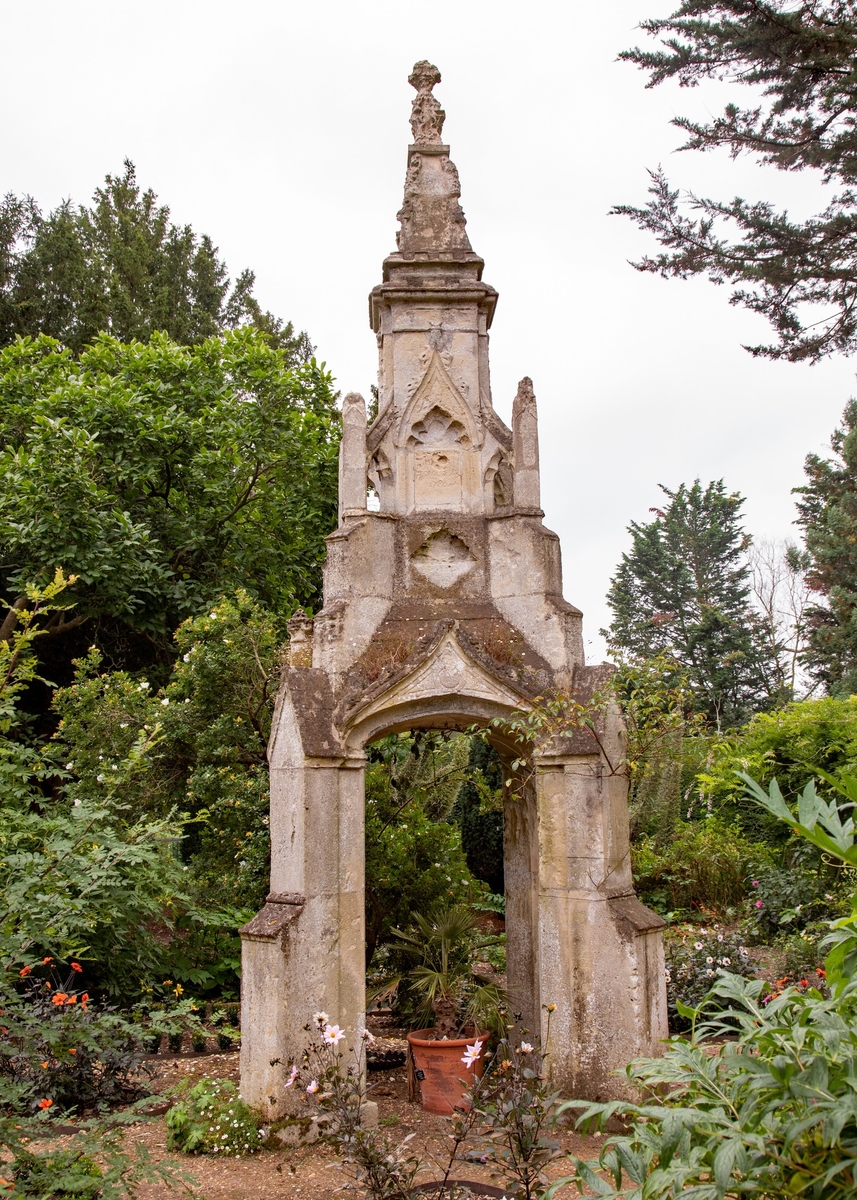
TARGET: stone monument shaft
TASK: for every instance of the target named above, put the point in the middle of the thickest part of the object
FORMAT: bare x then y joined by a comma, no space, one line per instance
443,608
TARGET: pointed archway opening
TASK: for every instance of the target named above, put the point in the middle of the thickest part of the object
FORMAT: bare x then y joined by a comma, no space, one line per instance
434,841
461,822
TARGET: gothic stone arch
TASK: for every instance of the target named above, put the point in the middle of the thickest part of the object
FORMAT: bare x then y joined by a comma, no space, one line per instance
443,609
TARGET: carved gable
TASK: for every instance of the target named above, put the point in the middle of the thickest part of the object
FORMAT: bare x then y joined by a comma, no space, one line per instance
437,413
448,671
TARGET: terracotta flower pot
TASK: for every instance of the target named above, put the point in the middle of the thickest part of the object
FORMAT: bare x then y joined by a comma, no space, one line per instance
460,1185
440,1070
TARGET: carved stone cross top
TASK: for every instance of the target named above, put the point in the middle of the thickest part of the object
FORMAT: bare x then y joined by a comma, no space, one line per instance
427,117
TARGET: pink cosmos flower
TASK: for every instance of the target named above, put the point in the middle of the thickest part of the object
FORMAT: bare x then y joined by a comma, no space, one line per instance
758,904
526,1048
312,1086
293,1074
332,1035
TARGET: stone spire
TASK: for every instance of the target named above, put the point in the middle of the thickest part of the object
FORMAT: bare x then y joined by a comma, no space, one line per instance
432,221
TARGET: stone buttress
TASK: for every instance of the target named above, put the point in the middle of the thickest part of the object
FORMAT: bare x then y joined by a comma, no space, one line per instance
443,607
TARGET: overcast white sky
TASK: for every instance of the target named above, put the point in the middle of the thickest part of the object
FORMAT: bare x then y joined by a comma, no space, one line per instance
280,128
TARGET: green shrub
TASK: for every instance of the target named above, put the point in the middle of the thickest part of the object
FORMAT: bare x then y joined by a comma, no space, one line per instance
770,1114
211,1118
61,1173
414,859
787,745
703,868
791,894
800,954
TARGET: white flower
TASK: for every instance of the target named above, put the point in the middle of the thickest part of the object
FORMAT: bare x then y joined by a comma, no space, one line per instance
368,1037
186,657
720,937
709,973
293,1074
143,686
165,701
312,1086
526,1048
709,960
333,1035
471,1053
321,1018
68,766
727,962
697,945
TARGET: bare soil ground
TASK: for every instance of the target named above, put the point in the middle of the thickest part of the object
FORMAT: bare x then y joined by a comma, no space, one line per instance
306,1173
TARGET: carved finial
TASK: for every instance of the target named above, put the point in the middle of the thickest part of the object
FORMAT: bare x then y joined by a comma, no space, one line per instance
427,117
525,440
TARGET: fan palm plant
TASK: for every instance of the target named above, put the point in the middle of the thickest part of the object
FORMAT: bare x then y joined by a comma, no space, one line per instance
452,996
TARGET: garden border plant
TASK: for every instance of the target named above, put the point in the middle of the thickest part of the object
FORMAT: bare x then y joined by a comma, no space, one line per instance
771,1113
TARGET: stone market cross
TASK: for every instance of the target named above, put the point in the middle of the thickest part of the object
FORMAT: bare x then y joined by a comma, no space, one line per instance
443,609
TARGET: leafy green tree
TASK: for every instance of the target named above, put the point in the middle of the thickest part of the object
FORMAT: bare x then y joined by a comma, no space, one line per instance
798,59
121,267
81,875
827,510
682,593
210,762
479,812
162,476
809,735
414,860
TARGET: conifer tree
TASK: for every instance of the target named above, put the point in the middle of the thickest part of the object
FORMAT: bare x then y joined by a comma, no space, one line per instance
121,267
800,59
827,511
683,593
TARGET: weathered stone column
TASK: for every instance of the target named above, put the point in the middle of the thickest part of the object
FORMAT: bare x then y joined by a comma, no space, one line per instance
305,951
600,950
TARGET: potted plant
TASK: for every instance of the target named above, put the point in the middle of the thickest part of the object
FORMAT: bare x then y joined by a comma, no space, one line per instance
456,1007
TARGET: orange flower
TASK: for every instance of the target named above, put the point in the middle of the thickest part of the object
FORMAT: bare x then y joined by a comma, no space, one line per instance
821,971
71,1000
76,967
44,1065
784,979
24,972
45,1103
72,1050
59,998
45,961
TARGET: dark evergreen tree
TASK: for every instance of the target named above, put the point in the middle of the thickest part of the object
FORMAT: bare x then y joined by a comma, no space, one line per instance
682,593
481,826
800,59
827,511
123,268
